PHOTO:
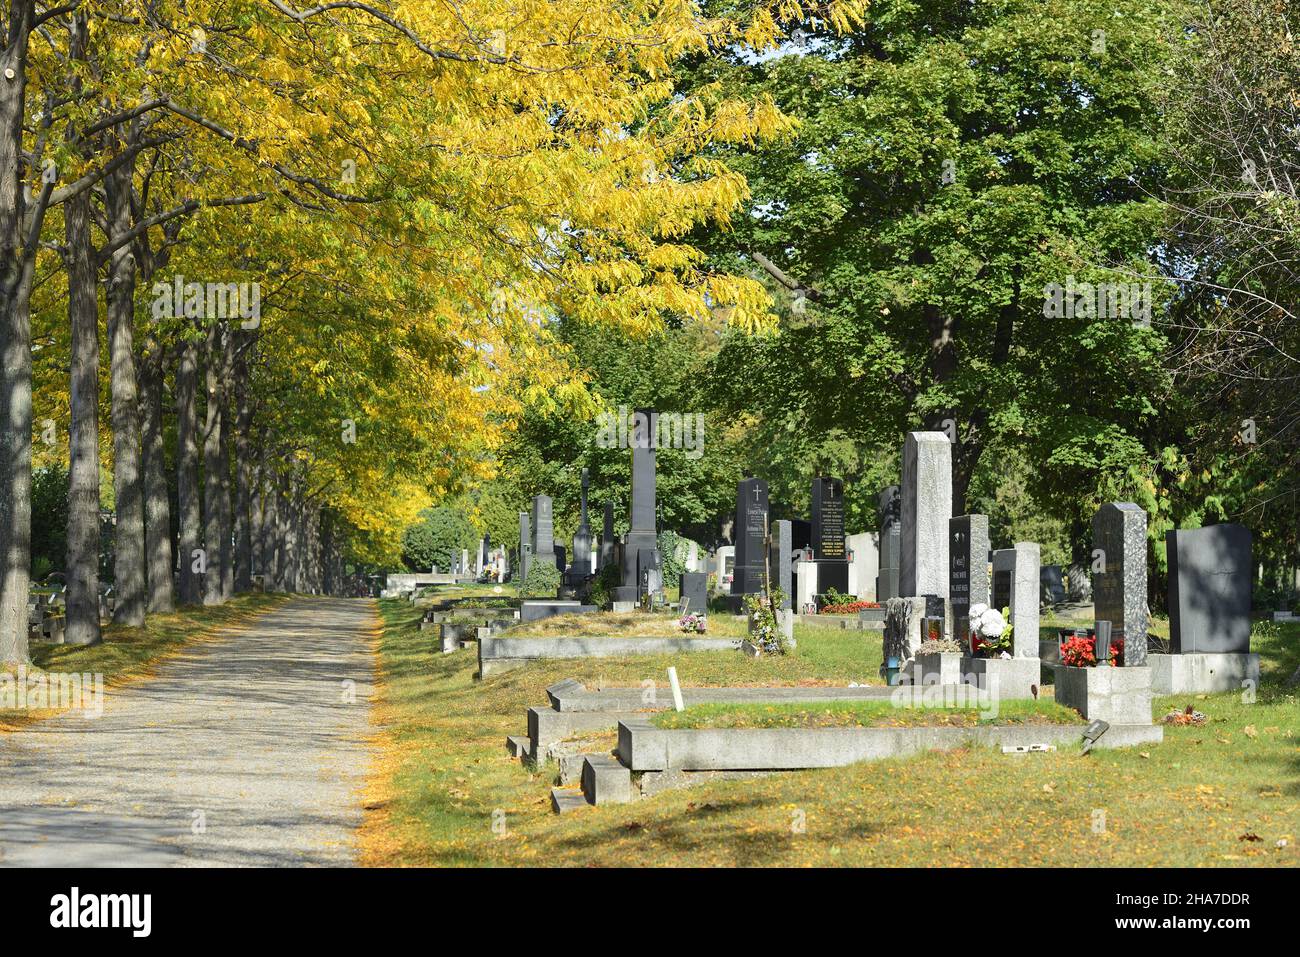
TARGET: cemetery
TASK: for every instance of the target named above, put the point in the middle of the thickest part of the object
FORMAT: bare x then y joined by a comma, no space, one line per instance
849,434
948,653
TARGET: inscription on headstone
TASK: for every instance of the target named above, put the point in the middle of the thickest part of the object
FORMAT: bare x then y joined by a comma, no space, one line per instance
828,519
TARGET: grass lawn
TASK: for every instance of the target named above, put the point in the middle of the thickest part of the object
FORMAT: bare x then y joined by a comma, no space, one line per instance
1202,798
128,654
632,624
862,714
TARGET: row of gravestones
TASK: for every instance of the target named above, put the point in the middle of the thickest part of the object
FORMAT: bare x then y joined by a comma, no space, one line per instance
1209,577
636,554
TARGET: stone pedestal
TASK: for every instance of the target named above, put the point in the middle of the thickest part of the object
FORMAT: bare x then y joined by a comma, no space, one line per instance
1007,678
1114,695
1203,673
944,668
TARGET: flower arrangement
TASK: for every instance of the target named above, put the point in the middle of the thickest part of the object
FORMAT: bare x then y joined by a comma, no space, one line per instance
692,624
847,608
990,632
764,630
1081,652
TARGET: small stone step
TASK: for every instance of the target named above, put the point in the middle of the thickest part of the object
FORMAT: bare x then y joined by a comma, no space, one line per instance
605,780
571,768
564,800
518,745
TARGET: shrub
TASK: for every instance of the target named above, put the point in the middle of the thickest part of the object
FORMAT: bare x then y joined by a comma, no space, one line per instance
602,588
543,580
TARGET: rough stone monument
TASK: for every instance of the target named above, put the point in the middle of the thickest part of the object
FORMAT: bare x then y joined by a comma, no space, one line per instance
1119,532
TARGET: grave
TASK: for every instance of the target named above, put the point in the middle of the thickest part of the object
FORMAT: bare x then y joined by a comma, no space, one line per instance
695,592
891,542
1053,585
581,569
642,568
968,576
926,509
781,560
1209,612
750,532
524,546
607,538
830,560
542,538
1119,532
864,564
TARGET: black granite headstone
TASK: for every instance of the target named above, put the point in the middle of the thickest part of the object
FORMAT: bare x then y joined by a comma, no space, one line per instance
1209,589
750,530
828,519
1053,583
695,592
968,566
890,506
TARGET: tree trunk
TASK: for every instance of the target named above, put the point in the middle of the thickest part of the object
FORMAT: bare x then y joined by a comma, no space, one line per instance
245,481
129,535
83,439
214,468
15,348
270,533
187,471
157,509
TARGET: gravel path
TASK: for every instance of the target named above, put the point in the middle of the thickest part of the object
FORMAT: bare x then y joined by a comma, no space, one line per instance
249,749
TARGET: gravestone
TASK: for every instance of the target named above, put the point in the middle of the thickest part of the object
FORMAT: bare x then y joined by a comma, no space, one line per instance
1119,531
781,560
695,592
543,539
891,544
827,530
927,507
482,558
750,530
641,561
968,576
1209,589
582,539
561,558
1016,587
607,537
1053,584
525,545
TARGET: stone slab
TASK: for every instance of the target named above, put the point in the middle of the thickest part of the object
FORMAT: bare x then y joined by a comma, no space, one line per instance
570,696
646,748
1203,673
503,654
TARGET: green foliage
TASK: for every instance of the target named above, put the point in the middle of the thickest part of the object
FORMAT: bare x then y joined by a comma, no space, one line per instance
672,548
543,580
952,161
49,519
602,587
437,539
